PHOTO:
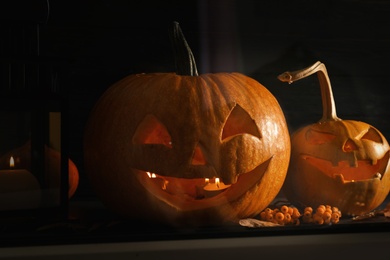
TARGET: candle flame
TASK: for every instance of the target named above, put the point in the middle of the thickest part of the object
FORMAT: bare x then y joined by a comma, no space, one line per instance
151,175
11,162
206,180
217,182
164,185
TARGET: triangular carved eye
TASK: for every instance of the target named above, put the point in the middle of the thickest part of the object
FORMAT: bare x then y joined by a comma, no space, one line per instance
372,135
152,131
239,122
198,157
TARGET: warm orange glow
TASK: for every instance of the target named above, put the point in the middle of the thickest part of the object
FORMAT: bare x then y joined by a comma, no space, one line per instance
217,182
151,175
11,162
206,180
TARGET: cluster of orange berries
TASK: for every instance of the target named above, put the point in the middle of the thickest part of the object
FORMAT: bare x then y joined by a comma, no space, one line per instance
324,214
286,215
283,216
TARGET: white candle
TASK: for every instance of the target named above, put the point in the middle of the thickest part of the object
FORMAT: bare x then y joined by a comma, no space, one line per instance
214,188
19,189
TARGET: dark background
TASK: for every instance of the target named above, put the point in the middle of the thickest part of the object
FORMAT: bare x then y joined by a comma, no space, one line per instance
90,44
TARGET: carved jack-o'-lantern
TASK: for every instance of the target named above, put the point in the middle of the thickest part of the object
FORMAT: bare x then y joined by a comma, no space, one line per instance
344,163
153,140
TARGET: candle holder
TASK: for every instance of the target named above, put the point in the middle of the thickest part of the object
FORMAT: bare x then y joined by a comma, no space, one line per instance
33,151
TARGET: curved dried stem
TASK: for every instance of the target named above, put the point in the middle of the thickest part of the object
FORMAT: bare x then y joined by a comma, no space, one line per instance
328,104
184,58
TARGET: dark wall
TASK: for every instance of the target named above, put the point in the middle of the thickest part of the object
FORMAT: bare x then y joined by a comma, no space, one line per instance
96,42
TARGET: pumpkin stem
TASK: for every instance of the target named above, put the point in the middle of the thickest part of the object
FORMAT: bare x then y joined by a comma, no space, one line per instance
328,104
184,59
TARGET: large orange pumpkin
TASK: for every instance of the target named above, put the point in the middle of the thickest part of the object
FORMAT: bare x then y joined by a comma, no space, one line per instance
152,139
344,163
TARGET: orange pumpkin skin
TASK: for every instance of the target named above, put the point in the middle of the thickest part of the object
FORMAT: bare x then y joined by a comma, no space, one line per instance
337,163
184,129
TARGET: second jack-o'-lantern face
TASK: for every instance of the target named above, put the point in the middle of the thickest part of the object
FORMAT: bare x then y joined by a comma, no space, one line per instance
153,139
344,163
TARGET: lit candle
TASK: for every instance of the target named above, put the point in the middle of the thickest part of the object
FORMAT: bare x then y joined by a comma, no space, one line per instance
163,183
19,189
214,188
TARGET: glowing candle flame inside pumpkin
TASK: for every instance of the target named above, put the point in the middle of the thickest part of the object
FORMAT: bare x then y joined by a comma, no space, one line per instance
151,175
212,189
217,182
154,176
11,162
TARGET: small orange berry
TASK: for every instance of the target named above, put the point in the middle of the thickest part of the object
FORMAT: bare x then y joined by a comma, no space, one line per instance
328,210
269,217
310,209
317,219
284,209
287,218
327,216
335,218
307,214
321,206
320,209
295,214
279,216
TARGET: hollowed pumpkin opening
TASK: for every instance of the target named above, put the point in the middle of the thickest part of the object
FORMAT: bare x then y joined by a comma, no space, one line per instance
188,194
152,131
363,170
348,170
239,122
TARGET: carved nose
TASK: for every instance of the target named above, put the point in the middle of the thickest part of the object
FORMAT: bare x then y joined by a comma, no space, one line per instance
350,146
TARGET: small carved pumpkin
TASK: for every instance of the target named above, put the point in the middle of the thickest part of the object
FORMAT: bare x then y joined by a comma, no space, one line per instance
152,139
344,163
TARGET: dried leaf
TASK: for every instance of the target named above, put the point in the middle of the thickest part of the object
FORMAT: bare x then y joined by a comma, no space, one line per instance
255,223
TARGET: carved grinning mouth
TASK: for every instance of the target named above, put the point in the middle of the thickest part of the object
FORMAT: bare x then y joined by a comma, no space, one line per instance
185,194
343,170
